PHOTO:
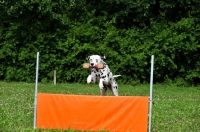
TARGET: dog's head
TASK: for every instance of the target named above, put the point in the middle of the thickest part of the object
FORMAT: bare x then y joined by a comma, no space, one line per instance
95,59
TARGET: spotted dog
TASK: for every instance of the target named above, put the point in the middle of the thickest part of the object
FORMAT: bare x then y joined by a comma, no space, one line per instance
103,76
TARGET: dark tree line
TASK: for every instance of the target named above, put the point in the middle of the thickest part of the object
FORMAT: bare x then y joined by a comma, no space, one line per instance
128,32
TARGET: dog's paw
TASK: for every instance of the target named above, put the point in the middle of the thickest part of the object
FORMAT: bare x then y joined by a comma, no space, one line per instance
89,79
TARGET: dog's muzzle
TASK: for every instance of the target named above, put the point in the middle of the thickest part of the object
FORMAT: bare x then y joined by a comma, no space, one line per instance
93,64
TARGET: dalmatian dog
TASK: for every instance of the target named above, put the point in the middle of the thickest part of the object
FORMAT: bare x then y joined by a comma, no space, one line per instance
103,76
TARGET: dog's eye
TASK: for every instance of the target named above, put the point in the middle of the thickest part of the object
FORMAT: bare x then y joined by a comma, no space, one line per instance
96,60
90,59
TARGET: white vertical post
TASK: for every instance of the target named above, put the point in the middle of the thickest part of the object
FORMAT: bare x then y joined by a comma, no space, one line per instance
36,90
54,77
151,90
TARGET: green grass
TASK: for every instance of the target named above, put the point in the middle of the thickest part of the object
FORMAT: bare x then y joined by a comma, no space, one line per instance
175,109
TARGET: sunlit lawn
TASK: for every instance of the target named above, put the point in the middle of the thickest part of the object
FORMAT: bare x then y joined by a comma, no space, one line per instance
175,109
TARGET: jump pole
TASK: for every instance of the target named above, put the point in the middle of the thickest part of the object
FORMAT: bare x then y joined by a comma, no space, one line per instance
151,91
36,90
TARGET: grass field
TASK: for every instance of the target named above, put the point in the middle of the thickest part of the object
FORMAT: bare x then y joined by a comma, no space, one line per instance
175,109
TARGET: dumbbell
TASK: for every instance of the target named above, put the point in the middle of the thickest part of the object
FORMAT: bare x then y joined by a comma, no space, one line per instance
98,66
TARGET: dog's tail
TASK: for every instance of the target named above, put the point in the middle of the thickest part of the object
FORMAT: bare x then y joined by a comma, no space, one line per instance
116,76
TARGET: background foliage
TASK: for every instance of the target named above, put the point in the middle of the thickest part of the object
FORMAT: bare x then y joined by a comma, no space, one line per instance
128,32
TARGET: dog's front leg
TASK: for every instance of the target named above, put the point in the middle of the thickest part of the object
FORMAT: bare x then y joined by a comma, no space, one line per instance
101,84
92,77
103,91
89,79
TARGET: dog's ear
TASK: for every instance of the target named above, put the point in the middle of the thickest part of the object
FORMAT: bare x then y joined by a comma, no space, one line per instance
104,57
88,58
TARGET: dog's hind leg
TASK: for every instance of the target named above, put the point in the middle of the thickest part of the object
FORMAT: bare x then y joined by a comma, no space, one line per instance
114,88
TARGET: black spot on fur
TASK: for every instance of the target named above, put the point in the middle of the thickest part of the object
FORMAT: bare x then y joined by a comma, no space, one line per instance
103,76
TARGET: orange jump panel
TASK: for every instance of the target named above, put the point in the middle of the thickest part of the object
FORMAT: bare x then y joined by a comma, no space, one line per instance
81,112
